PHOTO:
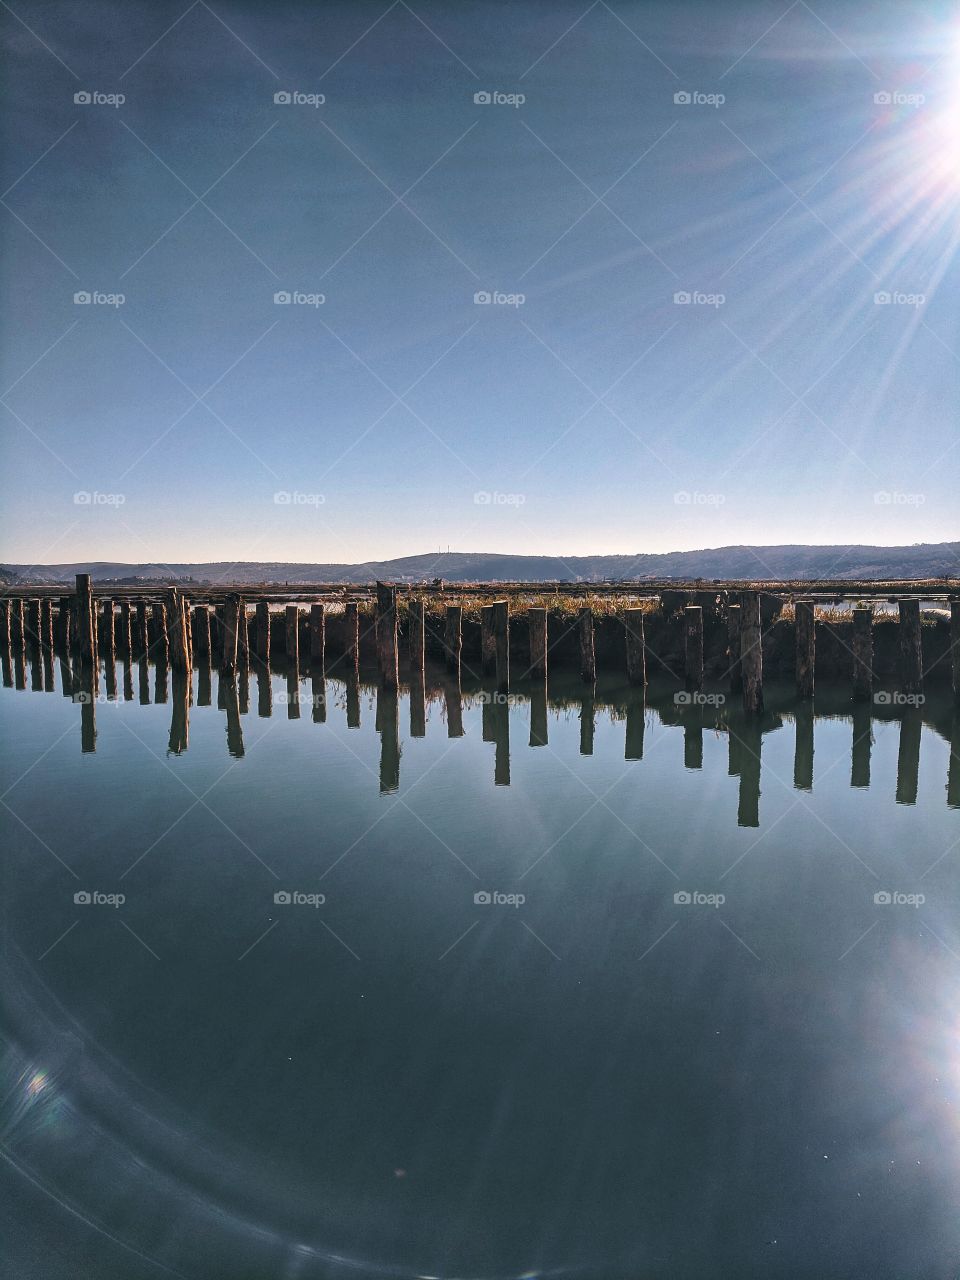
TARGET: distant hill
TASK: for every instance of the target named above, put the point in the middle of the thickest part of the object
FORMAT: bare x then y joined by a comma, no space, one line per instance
923,560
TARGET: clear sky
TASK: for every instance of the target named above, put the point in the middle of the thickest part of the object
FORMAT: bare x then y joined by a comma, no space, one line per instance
783,403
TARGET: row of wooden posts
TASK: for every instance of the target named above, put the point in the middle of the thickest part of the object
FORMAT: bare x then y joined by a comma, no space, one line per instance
173,634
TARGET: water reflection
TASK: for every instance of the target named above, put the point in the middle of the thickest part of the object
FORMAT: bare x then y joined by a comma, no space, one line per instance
616,705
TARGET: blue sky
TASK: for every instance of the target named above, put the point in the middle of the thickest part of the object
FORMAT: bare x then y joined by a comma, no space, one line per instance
783,403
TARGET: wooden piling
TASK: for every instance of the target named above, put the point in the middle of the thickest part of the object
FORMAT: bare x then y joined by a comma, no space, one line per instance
386,635
201,631
351,633
751,655
501,637
416,635
243,655
33,625
161,641
453,637
488,642
86,634
318,635
228,631
292,634
263,632
588,661
17,625
537,629
63,622
142,633
177,630
633,629
108,632
126,639
734,669
693,647
955,648
862,647
805,628
910,649
46,625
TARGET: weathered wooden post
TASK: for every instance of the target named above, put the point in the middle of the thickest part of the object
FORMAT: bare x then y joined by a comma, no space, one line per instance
751,653
488,642
318,635
633,633
177,629
862,648
46,625
33,625
17,625
734,669
453,637
5,623
693,647
142,632
201,631
161,644
85,621
416,640
109,633
228,651
911,654
351,633
126,639
501,637
955,648
806,632
243,656
588,662
386,635
64,611
537,628
263,632
292,634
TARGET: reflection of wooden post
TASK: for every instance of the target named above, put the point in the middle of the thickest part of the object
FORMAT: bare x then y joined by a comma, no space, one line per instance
636,647
751,655
143,675
636,724
588,662
86,695
180,718
177,626
161,644
587,711
488,643
389,740
353,700
416,637
386,634
351,633
263,632
538,713
806,633
500,712
537,627
231,703
734,669
160,681
264,693
85,620
955,648
908,759
862,743
693,647
293,691
318,635
318,696
803,746
953,769
501,639
911,655
692,720
862,646
454,705
418,711
453,637
748,810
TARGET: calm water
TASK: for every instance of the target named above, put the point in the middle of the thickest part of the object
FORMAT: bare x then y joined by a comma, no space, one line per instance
677,1034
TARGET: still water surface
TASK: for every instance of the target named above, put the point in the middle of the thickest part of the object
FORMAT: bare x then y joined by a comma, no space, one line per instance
574,986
